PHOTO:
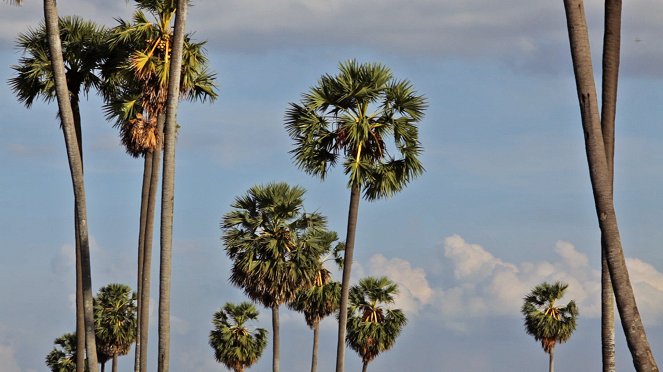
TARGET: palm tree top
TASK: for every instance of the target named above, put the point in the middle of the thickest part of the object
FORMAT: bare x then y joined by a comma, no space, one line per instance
351,115
544,319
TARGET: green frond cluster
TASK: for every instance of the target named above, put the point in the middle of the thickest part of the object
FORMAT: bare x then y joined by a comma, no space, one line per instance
351,115
373,327
233,342
273,244
63,356
544,320
115,319
320,300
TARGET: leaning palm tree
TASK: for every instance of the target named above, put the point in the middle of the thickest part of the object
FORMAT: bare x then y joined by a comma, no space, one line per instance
350,115
274,246
63,356
546,321
76,170
115,320
136,91
233,342
373,327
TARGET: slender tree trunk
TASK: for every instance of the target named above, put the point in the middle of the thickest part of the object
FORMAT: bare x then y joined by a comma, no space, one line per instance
365,367
355,196
602,190
610,79
275,338
103,366
316,337
115,363
168,188
144,198
80,310
76,169
551,360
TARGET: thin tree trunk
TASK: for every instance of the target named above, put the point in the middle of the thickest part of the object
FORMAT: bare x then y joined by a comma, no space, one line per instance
601,181
168,188
551,360
103,366
76,169
144,198
114,362
316,337
355,196
275,338
365,367
80,310
610,79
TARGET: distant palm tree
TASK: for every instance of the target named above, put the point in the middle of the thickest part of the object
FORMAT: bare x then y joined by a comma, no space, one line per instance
63,356
373,327
233,342
546,321
351,115
274,246
115,320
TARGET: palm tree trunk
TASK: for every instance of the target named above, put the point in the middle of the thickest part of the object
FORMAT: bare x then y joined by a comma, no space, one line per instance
355,195
601,181
551,360
610,79
114,362
275,338
103,366
76,170
144,198
364,368
80,310
168,188
316,337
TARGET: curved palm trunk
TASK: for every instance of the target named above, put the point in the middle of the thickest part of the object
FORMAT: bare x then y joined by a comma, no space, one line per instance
611,58
601,186
316,337
275,338
551,360
76,170
355,195
168,187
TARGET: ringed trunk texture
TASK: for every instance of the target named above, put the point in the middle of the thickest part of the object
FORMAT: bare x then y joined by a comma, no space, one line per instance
316,338
601,181
353,210
76,170
610,79
275,339
168,187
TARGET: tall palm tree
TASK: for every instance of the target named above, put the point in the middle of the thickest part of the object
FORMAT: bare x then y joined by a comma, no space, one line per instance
274,247
350,115
373,327
63,356
76,169
321,299
137,77
602,180
115,320
233,342
546,321
82,54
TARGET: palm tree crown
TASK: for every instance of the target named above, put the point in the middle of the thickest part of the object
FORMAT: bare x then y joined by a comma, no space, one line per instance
546,321
115,319
352,114
233,342
373,327
63,356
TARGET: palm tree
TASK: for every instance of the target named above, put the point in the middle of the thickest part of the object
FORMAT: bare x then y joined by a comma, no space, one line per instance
602,179
321,299
233,342
350,115
63,356
82,53
274,247
546,321
372,327
137,77
76,169
115,320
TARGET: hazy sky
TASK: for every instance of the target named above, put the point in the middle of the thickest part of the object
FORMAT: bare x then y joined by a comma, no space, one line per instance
504,205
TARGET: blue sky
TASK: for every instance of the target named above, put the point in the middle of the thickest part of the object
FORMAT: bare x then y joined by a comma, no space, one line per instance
505,202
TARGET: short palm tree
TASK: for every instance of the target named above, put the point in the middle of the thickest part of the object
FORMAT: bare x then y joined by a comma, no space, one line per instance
233,342
350,116
373,327
546,321
274,246
115,320
63,356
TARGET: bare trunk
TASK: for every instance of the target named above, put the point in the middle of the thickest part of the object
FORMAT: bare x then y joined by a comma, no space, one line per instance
80,310
355,196
168,188
602,188
364,368
76,169
551,360
275,338
316,337
144,198
115,363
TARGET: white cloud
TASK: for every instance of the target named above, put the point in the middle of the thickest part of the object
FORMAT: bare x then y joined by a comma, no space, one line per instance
7,359
414,289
